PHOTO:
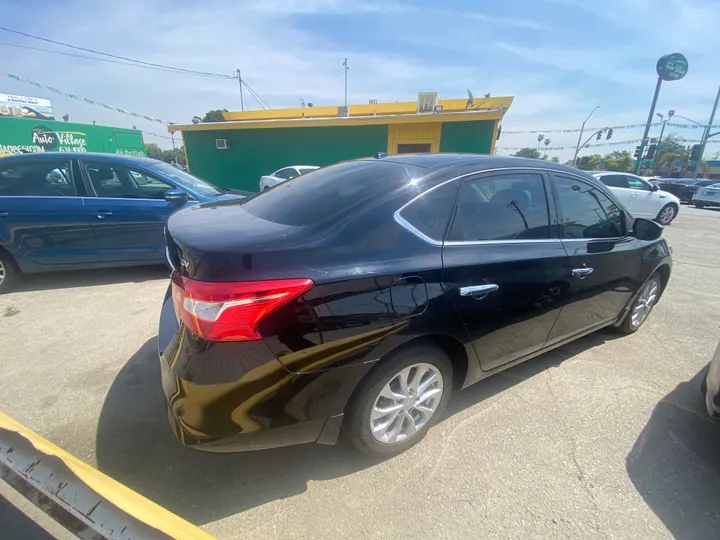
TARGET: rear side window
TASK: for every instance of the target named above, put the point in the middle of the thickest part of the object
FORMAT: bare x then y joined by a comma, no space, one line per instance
614,180
510,206
40,179
585,211
329,192
429,213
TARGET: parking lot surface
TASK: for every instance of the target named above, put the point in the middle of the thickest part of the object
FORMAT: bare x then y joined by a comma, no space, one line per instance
605,437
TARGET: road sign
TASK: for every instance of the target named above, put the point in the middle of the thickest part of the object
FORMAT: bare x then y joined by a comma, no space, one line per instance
672,67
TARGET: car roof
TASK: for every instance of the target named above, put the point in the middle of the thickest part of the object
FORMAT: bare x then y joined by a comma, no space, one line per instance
94,156
472,162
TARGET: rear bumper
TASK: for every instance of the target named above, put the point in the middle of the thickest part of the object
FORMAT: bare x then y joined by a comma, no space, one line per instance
708,201
230,397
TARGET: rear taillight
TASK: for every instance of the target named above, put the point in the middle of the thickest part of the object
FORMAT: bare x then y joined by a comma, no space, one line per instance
231,311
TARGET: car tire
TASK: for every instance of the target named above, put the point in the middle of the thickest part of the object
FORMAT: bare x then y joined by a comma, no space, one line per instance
636,316
420,364
667,214
698,204
9,273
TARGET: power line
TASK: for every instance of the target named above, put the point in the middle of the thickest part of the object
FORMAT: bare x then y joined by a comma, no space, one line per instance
254,94
2,43
93,51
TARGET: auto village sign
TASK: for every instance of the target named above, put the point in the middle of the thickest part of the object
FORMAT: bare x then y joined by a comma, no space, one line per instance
58,141
42,138
672,67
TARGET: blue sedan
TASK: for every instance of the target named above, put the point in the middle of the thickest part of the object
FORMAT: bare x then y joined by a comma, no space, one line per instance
62,211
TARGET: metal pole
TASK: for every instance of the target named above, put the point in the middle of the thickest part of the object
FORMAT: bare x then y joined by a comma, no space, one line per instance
647,126
706,135
242,99
346,70
659,143
577,146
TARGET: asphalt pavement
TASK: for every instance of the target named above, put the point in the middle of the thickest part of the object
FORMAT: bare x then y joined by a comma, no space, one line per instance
603,438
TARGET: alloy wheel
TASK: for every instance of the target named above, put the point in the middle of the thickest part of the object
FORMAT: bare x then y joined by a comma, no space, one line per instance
645,302
667,214
2,272
406,403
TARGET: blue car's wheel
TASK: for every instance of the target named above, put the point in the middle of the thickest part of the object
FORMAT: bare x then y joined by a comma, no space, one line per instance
8,272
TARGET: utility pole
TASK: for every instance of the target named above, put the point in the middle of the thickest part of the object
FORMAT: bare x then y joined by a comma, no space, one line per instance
577,146
242,99
706,135
345,64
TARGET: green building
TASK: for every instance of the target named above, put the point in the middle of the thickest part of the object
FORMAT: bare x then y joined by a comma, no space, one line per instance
20,135
249,144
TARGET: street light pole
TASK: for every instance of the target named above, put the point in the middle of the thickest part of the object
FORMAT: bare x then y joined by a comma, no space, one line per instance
662,131
577,146
345,64
706,135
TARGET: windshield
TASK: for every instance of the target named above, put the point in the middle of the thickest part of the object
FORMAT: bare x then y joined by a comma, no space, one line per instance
188,180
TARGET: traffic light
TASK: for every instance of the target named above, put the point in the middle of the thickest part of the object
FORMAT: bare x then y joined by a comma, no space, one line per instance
650,151
637,152
609,134
695,152
599,135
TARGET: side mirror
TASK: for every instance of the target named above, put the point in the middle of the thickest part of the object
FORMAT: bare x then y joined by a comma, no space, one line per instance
645,229
654,187
176,196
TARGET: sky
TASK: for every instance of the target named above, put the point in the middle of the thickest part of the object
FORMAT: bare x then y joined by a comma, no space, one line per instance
558,58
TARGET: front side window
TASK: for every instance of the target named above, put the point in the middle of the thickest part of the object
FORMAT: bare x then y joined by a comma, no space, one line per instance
510,206
111,180
429,214
637,183
286,174
586,212
40,179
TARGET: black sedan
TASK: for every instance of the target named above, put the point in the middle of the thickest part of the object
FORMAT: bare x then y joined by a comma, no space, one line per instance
358,296
684,188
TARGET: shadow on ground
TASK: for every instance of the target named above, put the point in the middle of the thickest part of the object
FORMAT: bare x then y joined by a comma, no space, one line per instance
86,278
136,446
675,464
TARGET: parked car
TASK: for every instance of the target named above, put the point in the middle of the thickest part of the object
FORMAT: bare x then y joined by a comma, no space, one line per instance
641,198
62,211
362,295
286,173
710,386
685,188
707,196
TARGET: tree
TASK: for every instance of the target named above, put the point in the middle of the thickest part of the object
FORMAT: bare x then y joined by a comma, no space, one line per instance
153,151
555,159
591,164
533,153
214,116
619,161
174,156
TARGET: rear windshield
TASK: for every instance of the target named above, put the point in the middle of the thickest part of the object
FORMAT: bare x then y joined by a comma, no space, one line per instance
329,192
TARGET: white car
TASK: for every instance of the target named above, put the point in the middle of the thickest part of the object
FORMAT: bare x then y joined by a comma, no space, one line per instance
640,197
707,196
286,173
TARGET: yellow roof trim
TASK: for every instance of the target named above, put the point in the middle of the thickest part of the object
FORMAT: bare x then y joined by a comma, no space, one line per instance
373,109
465,116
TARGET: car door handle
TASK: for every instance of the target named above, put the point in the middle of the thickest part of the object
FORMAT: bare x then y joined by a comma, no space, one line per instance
102,214
582,273
4,214
477,290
